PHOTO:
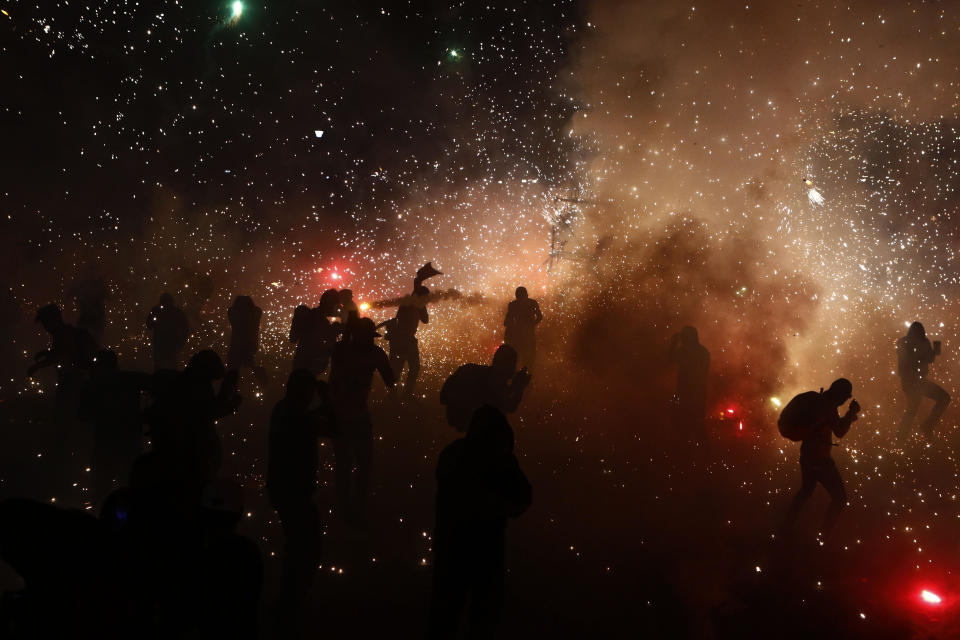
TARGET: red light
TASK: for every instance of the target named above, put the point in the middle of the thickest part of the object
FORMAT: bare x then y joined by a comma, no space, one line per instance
335,276
730,410
741,426
930,597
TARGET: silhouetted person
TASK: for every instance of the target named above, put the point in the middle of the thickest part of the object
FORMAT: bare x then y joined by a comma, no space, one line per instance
402,337
90,294
523,316
230,570
914,355
182,421
61,556
111,400
314,334
348,308
693,365
292,462
244,317
71,352
170,331
471,386
816,463
351,376
479,486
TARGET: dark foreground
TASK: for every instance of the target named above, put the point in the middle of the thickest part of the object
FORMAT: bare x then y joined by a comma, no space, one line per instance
633,532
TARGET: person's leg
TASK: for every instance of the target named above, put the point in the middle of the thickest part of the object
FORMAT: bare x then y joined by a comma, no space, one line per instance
449,595
941,399
913,404
829,477
300,520
486,597
363,450
413,369
343,466
807,485
396,360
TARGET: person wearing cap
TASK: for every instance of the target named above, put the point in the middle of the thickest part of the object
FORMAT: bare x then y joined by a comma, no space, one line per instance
816,463
353,364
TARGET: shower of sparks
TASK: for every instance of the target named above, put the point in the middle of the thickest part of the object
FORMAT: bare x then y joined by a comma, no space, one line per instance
815,197
209,184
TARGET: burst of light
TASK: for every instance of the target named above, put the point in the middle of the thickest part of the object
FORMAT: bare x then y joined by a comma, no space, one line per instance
454,54
776,402
335,276
318,133
237,9
930,597
364,306
730,411
815,197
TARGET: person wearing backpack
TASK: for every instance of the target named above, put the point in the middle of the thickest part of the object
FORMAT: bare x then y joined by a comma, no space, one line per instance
813,418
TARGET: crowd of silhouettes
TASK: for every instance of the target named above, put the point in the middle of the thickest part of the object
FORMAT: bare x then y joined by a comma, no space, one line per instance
164,555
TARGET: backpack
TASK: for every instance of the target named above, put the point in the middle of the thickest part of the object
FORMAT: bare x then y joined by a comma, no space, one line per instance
800,416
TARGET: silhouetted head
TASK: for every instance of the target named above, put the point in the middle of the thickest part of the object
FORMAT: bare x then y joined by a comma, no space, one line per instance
489,434
839,392
301,385
206,364
243,302
505,361
104,363
689,336
166,300
421,291
346,295
917,332
329,302
363,330
50,317
522,293
222,501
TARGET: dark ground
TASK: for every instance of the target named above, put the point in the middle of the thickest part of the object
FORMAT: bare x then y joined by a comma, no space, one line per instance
631,533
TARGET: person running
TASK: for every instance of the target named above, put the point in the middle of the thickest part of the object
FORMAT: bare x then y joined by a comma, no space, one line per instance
471,386
816,463
914,355
523,316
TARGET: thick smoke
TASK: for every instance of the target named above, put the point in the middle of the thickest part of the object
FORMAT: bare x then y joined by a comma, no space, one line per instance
706,121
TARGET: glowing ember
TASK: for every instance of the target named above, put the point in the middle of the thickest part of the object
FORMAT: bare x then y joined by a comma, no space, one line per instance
930,597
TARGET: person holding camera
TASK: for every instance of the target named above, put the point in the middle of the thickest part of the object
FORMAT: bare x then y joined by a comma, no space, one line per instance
816,463
914,355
